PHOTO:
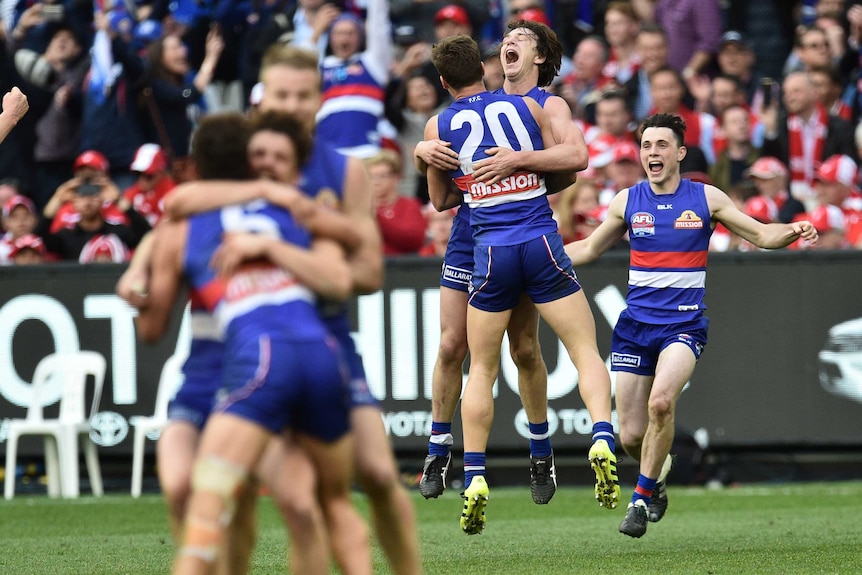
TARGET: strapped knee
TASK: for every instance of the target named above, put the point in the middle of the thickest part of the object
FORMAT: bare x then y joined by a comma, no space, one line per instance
214,476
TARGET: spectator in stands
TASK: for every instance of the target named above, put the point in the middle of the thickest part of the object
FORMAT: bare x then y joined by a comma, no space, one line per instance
29,249
830,223
494,75
668,90
104,249
694,28
19,220
829,87
621,31
804,134
439,230
724,92
355,74
736,59
811,49
172,96
613,119
583,87
624,171
147,194
56,76
737,151
574,204
450,20
836,184
402,225
773,202
652,51
68,243
426,15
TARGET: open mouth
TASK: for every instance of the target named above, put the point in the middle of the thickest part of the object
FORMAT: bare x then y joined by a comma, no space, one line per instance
655,167
511,56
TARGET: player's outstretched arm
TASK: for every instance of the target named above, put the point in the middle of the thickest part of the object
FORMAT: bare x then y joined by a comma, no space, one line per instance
603,237
767,236
323,268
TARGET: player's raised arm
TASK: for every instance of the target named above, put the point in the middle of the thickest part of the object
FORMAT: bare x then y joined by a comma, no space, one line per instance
768,236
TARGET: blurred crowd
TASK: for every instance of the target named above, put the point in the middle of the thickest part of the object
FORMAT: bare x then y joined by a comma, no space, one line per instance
770,96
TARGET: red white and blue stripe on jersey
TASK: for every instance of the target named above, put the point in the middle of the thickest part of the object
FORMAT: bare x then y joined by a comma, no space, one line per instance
352,107
669,236
516,209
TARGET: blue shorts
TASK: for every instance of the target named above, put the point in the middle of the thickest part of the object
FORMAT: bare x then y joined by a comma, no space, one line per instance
458,261
194,400
279,383
539,267
635,346
359,394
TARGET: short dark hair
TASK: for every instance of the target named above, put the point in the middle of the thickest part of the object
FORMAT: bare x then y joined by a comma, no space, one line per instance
458,61
672,121
289,126
220,147
548,46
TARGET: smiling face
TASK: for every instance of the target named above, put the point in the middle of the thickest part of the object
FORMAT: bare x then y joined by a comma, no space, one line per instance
344,39
272,156
293,91
660,155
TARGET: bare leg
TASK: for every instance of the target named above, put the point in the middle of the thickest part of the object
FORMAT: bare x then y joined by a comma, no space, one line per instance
289,474
632,398
447,378
175,455
523,332
348,532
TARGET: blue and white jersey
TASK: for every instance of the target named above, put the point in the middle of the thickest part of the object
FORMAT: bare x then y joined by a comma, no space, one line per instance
259,296
669,236
538,94
515,210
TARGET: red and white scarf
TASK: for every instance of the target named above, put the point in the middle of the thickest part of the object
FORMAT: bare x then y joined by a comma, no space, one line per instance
800,169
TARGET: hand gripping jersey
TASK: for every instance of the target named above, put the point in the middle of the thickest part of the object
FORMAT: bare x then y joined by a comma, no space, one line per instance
514,210
669,236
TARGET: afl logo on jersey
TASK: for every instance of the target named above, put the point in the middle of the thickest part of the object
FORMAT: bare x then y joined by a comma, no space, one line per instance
688,221
643,224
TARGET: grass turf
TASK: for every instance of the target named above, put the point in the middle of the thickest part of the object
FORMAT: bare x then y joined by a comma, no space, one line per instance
803,528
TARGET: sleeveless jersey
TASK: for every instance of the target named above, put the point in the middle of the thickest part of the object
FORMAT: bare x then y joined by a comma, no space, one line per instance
260,295
352,106
536,93
515,210
669,236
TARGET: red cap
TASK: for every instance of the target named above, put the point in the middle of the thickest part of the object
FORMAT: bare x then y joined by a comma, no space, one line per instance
838,169
601,150
626,150
767,168
827,218
149,159
27,241
92,159
103,247
596,215
534,15
16,201
452,12
761,209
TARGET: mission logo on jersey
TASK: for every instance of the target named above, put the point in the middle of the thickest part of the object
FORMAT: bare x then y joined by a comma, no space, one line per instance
688,221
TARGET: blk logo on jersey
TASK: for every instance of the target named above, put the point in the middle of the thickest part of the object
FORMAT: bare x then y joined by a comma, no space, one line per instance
643,224
688,221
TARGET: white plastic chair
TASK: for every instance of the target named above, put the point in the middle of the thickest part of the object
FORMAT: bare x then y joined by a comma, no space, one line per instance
68,374
169,382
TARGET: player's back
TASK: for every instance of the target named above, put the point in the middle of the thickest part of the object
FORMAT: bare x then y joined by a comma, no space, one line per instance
514,210
259,296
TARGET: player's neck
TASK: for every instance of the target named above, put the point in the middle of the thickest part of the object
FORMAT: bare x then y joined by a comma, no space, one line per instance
468,91
667,186
522,84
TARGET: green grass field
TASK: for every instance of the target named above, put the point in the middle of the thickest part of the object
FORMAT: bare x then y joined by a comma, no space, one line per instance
805,528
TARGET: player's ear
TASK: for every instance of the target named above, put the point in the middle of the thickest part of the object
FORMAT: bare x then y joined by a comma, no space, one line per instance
681,154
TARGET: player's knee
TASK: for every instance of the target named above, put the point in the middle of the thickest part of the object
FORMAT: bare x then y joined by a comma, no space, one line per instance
176,490
525,352
221,478
300,511
452,350
378,477
661,408
631,442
